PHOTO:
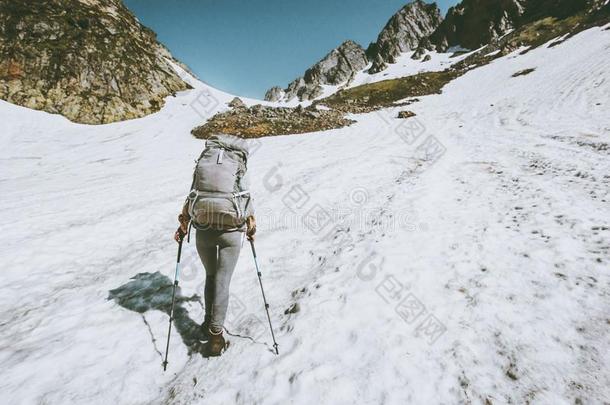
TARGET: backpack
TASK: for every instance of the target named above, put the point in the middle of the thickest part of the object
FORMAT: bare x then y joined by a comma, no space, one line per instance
218,199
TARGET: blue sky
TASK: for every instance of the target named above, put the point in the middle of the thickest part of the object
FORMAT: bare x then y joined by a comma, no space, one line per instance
247,46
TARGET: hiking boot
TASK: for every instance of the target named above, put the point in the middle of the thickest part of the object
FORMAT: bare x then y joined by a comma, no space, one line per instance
216,343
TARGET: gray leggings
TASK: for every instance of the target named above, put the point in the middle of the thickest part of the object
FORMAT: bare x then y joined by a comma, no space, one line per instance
219,251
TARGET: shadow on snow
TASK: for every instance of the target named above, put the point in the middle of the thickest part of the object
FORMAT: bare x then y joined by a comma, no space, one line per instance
153,291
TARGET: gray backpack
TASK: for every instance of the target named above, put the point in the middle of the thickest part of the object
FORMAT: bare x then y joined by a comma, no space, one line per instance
219,198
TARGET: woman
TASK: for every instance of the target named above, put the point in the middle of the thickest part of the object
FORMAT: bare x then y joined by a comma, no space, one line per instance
218,244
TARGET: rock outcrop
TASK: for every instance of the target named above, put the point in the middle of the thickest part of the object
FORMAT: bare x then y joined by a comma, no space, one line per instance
89,60
474,23
406,114
403,33
336,68
236,103
275,93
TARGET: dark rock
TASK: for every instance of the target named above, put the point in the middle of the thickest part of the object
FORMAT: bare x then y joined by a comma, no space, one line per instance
406,114
523,72
275,93
294,308
424,46
474,23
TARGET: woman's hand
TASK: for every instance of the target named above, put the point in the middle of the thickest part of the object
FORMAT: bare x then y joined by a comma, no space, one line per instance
179,235
250,227
184,220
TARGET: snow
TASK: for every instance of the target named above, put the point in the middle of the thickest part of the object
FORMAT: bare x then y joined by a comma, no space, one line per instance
406,66
501,239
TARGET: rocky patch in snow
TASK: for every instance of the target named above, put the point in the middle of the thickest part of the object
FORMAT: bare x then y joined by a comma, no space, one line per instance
259,120
406,114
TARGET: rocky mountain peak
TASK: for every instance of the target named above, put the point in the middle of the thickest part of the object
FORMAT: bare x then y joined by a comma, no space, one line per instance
275,93
403,32
336,68
474,23
89,60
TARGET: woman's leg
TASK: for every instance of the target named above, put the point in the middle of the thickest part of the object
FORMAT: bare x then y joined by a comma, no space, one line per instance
229,246
208,253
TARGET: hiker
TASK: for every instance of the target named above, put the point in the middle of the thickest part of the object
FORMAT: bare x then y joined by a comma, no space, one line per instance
220,208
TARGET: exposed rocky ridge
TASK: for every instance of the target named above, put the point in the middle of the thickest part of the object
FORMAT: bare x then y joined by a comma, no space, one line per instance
89,60
474,23
337,67
403,33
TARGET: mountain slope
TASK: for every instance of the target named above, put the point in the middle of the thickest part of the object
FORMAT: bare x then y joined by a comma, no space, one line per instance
89,60
486,217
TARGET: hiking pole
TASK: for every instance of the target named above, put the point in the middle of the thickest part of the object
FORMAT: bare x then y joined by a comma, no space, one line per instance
171,311
260,281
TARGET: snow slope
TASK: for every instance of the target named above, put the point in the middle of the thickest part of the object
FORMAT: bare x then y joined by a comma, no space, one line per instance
406,66
475,272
